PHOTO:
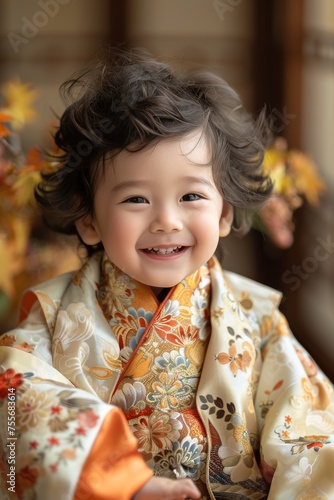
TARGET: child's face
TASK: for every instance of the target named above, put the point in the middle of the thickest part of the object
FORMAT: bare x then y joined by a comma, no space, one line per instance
158,213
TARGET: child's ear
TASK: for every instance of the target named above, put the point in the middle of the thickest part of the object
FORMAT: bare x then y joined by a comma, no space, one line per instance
226,220
87,231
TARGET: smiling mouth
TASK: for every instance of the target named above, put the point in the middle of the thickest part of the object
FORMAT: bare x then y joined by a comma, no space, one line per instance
164,251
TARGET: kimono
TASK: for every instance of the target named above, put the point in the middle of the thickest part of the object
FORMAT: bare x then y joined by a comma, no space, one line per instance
103,386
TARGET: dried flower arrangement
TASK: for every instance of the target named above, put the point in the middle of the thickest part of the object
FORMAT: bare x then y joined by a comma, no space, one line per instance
296,179
26,256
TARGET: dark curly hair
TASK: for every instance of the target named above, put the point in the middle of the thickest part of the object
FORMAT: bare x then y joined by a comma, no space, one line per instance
130,100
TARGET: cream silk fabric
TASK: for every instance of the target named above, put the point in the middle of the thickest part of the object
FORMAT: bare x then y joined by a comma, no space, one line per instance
211,381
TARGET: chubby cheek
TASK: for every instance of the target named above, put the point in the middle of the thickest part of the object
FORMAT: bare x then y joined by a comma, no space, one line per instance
207,237
205,226
119,234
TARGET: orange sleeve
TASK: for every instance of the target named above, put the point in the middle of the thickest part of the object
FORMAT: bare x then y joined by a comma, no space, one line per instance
28,299
114,470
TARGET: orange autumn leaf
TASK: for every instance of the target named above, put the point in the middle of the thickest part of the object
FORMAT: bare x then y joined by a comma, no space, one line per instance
4,118
19,99
4,131
28,178
306,179
34,159
24,187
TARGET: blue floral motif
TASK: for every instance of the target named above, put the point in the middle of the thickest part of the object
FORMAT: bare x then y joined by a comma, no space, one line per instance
172,360
137,314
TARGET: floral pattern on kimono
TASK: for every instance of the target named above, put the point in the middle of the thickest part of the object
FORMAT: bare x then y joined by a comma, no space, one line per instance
212,383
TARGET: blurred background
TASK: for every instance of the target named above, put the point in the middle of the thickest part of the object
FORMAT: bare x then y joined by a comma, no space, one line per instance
278,53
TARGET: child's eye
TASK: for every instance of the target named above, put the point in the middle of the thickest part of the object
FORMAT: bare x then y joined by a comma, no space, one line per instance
191,197
136,199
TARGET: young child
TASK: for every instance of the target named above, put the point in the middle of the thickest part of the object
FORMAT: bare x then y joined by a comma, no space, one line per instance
151,373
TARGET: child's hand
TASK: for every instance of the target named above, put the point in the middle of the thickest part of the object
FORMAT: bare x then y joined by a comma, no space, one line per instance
168,489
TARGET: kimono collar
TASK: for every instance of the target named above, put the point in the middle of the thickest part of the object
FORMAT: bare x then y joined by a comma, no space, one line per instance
116,291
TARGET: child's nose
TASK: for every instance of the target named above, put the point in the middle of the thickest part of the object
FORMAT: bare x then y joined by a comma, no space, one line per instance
166,220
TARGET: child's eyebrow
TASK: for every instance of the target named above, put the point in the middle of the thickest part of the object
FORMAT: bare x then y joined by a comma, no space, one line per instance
142,183
199,180
129,184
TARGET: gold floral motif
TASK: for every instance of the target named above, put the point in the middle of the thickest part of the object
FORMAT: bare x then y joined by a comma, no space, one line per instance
33,408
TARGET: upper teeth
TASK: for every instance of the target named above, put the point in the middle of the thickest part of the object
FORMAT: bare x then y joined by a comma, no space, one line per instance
164,251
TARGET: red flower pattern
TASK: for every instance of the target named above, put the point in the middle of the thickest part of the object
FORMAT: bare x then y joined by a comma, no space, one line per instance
9,380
